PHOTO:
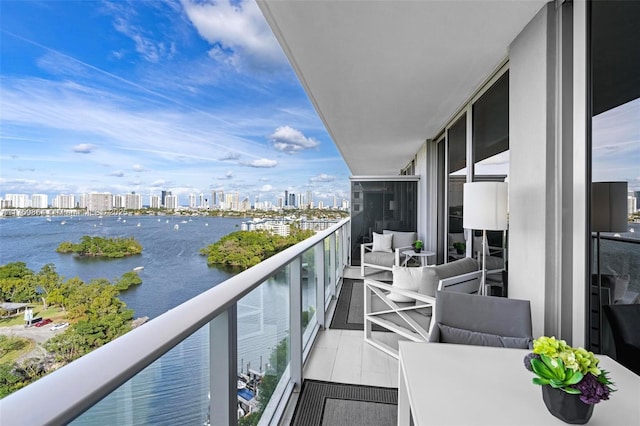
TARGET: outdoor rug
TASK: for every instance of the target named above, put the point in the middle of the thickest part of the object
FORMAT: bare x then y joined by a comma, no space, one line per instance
340,404
349,312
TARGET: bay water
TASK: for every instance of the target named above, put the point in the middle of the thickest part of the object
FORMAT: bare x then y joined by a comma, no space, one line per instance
174,389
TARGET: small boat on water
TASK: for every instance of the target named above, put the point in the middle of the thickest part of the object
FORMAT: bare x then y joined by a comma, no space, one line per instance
138,268
138,225
176,227
63,222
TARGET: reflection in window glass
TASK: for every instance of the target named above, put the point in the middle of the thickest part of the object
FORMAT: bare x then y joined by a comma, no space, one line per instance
308,278
380,205
457,161
615,155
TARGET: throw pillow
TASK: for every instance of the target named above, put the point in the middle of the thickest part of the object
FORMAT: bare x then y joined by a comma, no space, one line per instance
406,279
401,239
382,242
468,337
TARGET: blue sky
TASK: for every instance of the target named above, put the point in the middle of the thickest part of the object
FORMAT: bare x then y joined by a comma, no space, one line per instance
187,96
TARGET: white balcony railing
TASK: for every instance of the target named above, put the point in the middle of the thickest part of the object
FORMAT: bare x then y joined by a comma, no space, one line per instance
232,317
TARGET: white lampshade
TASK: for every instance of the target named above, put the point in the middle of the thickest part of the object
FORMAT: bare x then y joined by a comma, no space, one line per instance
609,207
485,206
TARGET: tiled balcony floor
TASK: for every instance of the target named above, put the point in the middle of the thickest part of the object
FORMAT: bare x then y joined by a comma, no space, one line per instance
343,356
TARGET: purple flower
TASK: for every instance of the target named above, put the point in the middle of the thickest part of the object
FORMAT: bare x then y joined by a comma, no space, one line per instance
592,390
527,360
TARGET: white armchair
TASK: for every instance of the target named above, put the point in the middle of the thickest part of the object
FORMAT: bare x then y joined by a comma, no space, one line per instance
385,250
406,308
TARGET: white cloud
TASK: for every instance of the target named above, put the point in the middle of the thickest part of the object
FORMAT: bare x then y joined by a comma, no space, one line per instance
143,39
228,175
238,33
266,188
230,156
289,140
322,177
138,168
264,163
117,173
84,148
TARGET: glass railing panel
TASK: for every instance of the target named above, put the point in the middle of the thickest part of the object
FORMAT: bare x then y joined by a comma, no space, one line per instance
327,270
263,345
620,281
308,280
172,390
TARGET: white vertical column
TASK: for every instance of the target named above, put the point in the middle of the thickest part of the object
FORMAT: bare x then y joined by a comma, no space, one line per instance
295,318
223,356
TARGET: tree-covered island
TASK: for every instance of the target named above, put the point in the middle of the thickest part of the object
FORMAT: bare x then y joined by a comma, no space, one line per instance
102,247
95,313
244,249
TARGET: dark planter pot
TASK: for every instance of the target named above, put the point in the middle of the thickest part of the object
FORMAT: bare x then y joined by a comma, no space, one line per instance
459,251
417,250
565,406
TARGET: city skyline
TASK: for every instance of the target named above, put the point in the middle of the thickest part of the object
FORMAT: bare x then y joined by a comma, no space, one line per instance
183,96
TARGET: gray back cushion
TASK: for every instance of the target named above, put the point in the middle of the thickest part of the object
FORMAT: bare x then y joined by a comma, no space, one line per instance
432,275
401,239
483,314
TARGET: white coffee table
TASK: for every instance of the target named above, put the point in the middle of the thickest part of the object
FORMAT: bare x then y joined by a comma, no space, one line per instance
447,384
423,256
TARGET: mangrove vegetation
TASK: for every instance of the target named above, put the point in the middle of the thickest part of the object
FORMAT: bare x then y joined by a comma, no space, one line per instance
102,247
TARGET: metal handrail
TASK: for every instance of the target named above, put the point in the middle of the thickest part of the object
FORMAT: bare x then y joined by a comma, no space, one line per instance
76,387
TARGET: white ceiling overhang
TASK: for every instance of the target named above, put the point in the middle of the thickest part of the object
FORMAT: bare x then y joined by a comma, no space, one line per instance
384,76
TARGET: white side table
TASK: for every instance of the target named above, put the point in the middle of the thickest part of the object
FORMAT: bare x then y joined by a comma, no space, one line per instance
423,256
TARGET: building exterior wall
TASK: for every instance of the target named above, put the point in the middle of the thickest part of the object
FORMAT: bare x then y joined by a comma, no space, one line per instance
531,145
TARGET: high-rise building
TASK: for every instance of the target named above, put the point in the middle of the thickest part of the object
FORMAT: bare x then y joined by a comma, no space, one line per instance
335,202
154,202
203,202
133,201
193,201
19,201
286,197
171,201
280,202
39,201
99,202
309,200
119,201
164,195
292,200
63,201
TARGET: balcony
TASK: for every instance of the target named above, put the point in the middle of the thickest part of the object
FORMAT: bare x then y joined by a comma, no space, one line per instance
270,320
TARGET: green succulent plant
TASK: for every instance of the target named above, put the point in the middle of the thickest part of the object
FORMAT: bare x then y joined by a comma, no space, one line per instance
553,372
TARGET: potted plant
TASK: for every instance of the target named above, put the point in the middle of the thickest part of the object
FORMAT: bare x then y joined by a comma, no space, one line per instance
570,378
417,245
460,247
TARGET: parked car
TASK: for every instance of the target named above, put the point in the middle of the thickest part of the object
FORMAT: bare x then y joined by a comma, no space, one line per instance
43,322
59,326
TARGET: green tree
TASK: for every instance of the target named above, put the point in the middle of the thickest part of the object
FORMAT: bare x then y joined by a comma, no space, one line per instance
102,247
127,280
244,249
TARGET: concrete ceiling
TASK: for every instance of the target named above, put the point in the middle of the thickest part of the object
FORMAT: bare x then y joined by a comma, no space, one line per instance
385,76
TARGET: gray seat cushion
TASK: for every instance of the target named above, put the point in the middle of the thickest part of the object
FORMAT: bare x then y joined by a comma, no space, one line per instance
379,258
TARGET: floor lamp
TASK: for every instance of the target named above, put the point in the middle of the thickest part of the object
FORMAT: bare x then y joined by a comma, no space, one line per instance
608,214
485,207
